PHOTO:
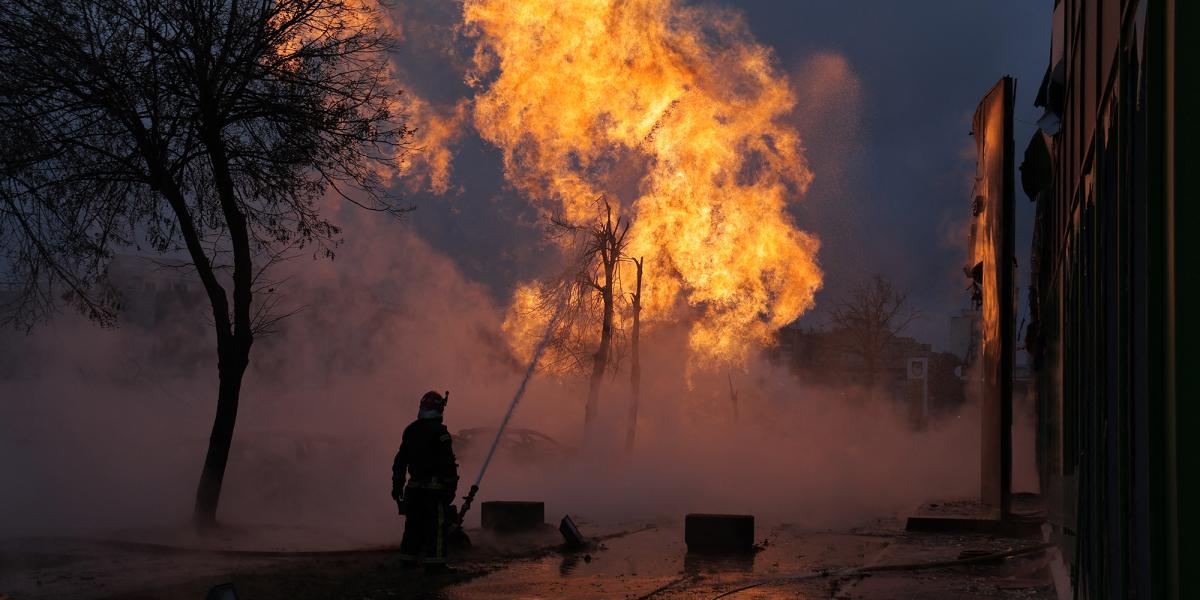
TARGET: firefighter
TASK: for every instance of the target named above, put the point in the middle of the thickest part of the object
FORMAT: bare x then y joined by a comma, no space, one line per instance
428,458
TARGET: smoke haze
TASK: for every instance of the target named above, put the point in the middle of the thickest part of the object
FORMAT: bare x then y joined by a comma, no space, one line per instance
104,431
98,436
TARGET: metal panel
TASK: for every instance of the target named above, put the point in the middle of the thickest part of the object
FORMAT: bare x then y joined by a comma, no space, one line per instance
992,128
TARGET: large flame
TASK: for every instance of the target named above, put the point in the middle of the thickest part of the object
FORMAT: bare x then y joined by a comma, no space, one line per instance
590,98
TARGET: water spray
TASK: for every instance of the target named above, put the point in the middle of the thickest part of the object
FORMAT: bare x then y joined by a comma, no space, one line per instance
537,355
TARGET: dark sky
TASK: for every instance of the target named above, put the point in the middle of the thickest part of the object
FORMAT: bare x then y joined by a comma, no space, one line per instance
892,181
923,67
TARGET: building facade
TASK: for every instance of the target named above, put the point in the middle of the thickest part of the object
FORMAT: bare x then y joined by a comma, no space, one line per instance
1112,341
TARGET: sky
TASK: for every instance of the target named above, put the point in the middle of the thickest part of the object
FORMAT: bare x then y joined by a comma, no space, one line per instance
923,67
887,91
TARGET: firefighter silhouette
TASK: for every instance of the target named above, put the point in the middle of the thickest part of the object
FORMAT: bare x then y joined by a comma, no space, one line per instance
427,457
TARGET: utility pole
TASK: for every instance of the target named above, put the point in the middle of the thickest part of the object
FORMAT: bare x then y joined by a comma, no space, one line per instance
635,369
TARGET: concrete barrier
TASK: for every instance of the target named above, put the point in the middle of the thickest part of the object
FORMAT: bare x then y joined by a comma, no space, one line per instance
719,534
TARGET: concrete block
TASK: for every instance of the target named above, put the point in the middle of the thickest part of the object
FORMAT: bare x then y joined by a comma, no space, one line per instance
570,532
719,534
507,516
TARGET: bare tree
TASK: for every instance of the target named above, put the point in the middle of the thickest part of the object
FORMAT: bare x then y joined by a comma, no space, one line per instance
205,127
868,321
603,250
594,289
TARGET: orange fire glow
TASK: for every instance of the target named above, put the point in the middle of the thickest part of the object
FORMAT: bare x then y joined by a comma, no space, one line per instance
679,113
428,166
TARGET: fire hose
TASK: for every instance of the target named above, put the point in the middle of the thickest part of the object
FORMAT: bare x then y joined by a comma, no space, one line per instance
918,566
537,355
858,571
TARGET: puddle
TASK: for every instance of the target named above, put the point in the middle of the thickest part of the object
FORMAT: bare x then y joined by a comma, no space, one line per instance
646,561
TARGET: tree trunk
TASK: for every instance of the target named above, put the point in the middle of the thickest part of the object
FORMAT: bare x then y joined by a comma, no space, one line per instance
233,357
233,343
233,350
600,363
635,366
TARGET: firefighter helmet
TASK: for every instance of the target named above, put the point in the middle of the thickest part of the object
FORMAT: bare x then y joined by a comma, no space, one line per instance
433,401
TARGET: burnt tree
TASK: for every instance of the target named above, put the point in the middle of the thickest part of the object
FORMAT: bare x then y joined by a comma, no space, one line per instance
208,128
603,251
591,284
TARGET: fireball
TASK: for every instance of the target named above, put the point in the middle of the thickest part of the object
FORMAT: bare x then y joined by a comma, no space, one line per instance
679,114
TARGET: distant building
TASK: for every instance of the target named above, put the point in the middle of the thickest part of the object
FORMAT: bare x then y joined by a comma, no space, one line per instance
821,357
162,297
159,305
154,291
964,334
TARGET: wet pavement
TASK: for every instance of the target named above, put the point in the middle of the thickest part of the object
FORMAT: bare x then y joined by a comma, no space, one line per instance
654,563
631,560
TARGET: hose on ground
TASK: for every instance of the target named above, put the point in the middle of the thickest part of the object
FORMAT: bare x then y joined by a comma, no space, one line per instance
920,566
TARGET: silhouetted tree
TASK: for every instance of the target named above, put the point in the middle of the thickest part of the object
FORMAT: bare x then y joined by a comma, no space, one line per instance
867,322
591,287
211,127
603,248
603,251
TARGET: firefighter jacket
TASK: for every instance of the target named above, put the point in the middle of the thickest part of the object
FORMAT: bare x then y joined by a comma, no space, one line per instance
426,454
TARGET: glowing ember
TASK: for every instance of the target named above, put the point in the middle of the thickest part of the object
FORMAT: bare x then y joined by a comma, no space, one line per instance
676,110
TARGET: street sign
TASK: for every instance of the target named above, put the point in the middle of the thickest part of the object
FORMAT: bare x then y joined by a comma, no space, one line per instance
918,368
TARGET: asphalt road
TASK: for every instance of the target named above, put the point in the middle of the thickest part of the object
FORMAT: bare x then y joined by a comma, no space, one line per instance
630,560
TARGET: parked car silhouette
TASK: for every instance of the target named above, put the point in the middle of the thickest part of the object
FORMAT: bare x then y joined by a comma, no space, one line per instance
523,446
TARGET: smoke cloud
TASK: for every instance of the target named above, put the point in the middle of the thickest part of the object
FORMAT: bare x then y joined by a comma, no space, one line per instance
104,431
